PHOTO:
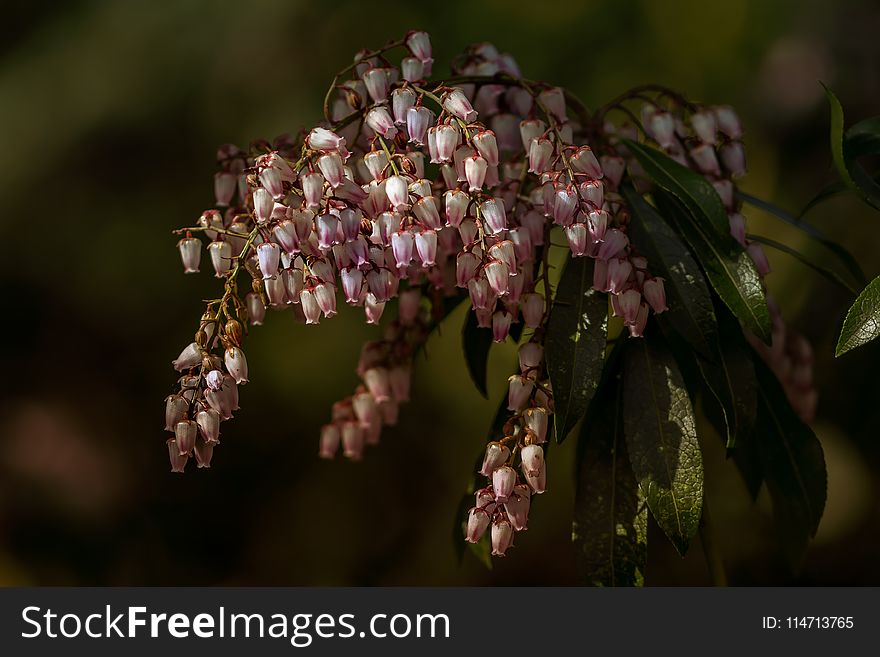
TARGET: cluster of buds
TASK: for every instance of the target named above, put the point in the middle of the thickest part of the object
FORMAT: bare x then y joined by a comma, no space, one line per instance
504,503
410,192
207,393
708,140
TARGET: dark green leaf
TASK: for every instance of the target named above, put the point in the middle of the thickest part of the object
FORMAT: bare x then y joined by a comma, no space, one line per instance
830,274
862,323
827,192
731,272
845,257
577,332
661,439
793,463
852,174
610,525
476,343
730,377
863,138
690,304
690,188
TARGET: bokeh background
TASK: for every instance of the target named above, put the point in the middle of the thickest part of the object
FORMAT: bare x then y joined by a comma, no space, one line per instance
110,113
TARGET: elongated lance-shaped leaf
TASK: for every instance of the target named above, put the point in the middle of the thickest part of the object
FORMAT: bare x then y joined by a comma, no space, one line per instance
690,303
862,323
851,172
845,257
730,378
661,439
577,333
863,138
830,274
610,526
732,274
793,463
476,343
704,224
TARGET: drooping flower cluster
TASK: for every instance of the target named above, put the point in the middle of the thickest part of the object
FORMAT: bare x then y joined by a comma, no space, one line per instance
709,141
417,194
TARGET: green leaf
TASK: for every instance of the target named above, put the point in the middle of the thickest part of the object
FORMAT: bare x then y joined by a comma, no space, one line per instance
610,525
731,272
862,323
852,174
793,463
476,343
830,274
661,439
845,257
730,378
577,332
863,138
690,304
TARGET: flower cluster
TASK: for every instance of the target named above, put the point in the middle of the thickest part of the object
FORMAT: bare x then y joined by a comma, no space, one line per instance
417,194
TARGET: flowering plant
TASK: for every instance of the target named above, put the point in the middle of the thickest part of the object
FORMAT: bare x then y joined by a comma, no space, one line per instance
611,245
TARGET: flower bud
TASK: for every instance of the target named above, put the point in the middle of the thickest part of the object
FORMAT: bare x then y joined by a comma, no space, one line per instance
497,274
214,379
536,420
426,246
655,294
321,139
397,190
417,121
502,537
352,441
637,328
236,364
501,321
519,391
447,137
176,408
457,104
427,212
378,383
496,456
661,126
309,304
313,188
380,122
189,357
487,146
615,242
329,442
190,254
705,126
494,216
402,246
503,481
529,130
376,83
419,44
578,239
531,355
705,159
734,159
478,521
185,433
517,507
756,253
330,165
373,308
221,257
532,307
629,305
325,295
209,425
178,462
269,255
412,69
224,187
728,122
475,171
619,271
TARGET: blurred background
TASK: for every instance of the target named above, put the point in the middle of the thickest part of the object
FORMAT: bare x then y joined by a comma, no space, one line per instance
110,115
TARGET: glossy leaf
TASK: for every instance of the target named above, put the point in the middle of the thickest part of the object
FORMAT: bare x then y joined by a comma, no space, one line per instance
853,174
830,274
610,525
862,323
687,295
577,332
730,378
661,439
731,272
476,343
845,257
793,464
